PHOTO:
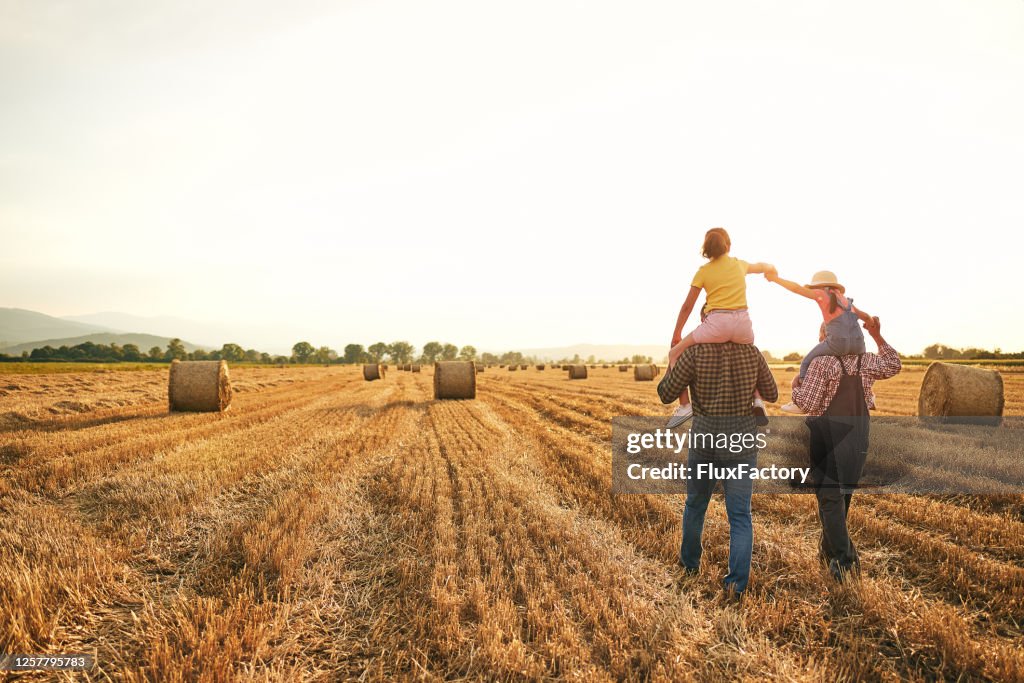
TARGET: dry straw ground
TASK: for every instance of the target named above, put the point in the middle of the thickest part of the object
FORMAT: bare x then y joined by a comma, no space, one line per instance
327,527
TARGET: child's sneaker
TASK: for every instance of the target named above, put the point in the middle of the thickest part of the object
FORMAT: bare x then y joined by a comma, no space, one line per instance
760,416
680,415
793,409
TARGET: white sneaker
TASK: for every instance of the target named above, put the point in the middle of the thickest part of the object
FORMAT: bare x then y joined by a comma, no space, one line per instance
760,414
680,415
792,408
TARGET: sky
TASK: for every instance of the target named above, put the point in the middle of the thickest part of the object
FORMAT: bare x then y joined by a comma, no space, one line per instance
512,174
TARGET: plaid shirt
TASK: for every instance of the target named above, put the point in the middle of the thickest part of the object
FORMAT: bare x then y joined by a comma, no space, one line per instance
721,377
819,386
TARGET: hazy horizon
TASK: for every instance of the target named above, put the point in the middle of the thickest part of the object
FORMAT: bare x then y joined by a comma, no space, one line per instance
512,176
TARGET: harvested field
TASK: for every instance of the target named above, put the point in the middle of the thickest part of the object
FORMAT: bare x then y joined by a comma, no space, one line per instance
327,527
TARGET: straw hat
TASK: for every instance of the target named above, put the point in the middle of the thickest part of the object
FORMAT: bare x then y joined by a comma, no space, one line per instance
825,278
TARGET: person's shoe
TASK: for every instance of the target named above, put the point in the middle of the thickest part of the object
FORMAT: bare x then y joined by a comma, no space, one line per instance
760,416
681,415
731,595
841,573
688,571
793,409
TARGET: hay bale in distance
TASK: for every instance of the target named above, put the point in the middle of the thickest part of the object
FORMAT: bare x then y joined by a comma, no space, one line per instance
643,373
954,391
372,371
201,386
479,368
540,366
513,368
578,371
454,379
415,368
623,368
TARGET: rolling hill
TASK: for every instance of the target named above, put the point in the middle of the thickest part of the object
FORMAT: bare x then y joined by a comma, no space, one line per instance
143,341
18,326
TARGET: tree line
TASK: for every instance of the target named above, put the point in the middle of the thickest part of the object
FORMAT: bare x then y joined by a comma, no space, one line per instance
304,352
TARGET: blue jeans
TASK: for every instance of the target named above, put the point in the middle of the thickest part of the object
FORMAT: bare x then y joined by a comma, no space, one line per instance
737,507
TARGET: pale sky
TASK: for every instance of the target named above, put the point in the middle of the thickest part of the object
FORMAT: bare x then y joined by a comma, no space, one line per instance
512,174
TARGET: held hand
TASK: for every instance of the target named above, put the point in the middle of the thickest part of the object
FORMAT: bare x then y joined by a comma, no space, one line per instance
873,327
795,384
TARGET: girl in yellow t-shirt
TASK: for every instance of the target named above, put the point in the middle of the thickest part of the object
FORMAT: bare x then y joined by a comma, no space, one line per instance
724,317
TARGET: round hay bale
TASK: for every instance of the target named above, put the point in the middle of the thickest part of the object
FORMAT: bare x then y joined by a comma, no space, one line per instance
657,370
523,366
513,368
415,368
577,371
454,379
502,365
201,386
623,368
643,373
540,366
955,391
479,368
789,368
605,366
384,366
372,371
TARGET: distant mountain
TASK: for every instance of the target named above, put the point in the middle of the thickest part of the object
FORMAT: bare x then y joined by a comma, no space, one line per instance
164,326
608,352
18,326
144,341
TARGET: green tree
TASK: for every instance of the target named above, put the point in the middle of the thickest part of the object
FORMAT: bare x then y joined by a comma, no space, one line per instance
488,358
131,353
792,358
325,355
401,351
156,353
252,355
302,351
232,353
377,352
431,350
175,349
449,352
354,353
467,352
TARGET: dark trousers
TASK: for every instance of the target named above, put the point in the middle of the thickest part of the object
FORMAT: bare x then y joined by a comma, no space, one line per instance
838,453
836,544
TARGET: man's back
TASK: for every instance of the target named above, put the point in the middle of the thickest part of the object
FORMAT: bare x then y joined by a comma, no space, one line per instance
721,377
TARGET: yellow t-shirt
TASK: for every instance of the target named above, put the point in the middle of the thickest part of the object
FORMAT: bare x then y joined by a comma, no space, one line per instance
724,279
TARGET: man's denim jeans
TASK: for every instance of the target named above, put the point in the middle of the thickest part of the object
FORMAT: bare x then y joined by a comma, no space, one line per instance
737,506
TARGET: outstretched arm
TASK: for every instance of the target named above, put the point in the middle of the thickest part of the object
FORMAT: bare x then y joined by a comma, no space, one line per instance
684,314
761,267
864,317
792,286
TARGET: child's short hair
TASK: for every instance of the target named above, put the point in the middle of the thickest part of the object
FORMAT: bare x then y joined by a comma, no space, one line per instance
716,243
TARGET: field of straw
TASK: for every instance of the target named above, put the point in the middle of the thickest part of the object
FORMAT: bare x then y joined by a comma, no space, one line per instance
327,528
